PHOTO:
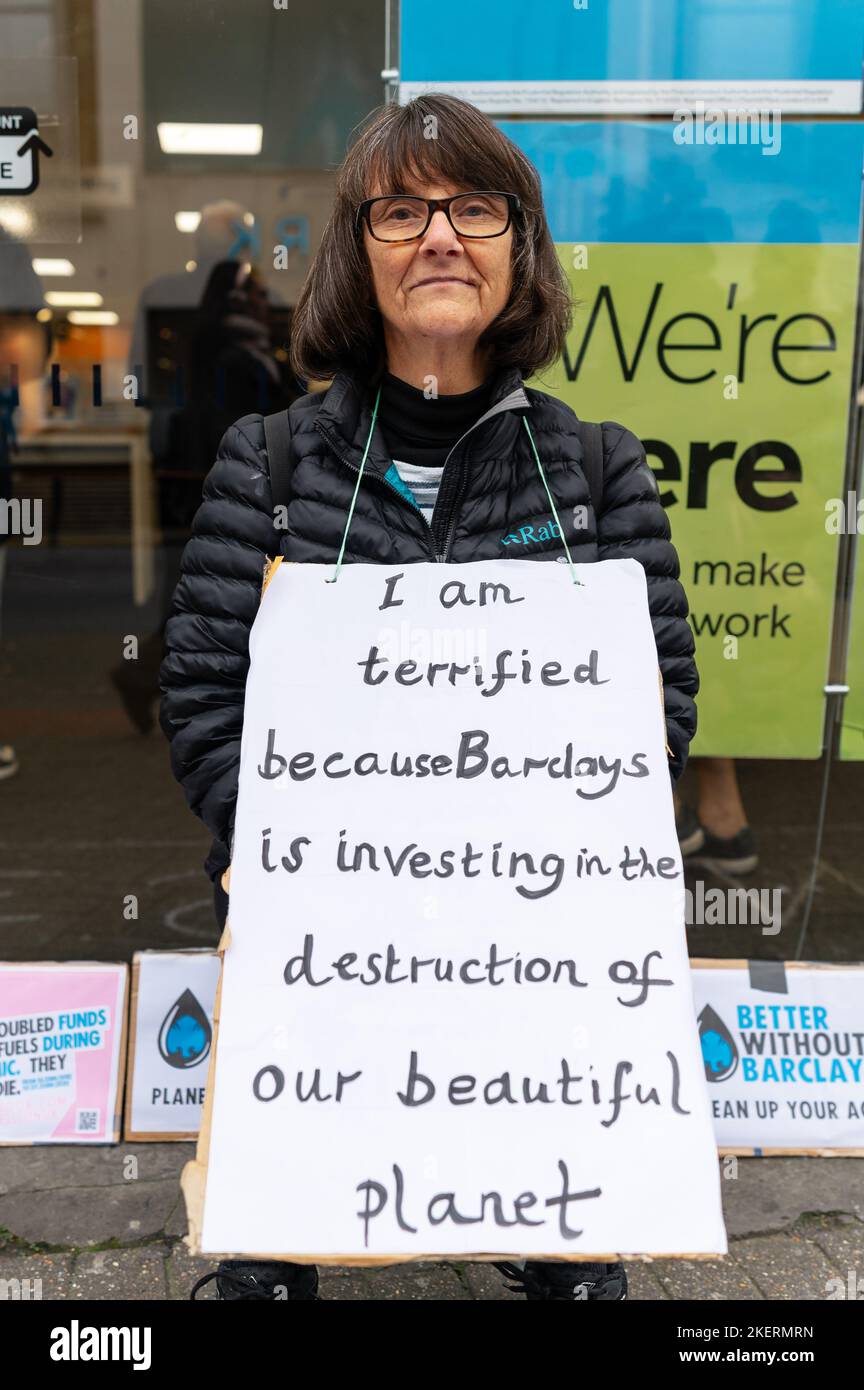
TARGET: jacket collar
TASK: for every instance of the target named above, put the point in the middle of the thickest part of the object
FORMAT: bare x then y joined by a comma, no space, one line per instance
345,415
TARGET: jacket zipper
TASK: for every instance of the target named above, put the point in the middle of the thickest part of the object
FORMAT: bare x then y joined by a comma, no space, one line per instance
373,477
456,492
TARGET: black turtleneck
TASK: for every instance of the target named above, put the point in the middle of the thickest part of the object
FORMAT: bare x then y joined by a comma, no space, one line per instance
422,431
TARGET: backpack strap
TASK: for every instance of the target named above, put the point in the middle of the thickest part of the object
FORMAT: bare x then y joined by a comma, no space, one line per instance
591,439
280,455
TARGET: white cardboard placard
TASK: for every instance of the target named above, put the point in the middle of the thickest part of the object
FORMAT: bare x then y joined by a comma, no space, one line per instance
587,1127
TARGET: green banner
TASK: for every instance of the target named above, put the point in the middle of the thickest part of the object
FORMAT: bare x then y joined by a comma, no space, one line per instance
732,362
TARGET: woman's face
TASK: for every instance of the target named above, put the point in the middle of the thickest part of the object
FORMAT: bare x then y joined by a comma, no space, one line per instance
439,286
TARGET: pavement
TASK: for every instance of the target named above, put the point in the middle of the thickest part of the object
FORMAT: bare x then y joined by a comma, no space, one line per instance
94,816
108,1223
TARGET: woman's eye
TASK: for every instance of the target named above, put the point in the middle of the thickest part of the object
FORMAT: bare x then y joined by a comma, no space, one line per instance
400,212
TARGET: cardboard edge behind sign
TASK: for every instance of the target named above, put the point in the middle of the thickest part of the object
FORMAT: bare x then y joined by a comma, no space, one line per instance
705,963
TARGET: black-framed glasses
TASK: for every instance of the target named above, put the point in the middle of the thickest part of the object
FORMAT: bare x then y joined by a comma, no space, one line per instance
404,217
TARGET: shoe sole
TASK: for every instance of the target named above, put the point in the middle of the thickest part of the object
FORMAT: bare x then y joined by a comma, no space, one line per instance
729,866
692,842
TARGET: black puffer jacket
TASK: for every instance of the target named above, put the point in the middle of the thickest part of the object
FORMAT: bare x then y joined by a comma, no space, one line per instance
490,490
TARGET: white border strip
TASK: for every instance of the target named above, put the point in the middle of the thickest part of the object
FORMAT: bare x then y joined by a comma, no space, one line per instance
633,98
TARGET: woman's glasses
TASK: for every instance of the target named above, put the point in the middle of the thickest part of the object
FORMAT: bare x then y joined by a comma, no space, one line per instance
398,217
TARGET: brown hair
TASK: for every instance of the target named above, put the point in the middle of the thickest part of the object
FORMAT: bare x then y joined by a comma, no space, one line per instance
436,137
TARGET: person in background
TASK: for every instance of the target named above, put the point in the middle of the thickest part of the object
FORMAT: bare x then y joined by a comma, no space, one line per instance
437,269
8,405
25,346
232,370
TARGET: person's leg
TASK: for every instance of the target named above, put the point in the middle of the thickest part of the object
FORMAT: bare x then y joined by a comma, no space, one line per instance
717,833
257,1279
729,841
720,807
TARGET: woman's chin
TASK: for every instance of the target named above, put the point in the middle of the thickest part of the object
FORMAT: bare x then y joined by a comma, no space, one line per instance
448,325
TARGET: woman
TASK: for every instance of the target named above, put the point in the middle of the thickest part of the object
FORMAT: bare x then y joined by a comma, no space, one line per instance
435,291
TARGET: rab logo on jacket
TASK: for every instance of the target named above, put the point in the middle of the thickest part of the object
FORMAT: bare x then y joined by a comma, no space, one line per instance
719,1052
184,1038
527,535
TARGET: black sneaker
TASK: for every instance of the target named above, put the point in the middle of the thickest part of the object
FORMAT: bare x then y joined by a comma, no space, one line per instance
274,1280
733,855
691,836
568,1283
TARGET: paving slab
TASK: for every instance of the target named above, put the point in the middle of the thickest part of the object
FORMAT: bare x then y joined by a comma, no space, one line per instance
34,1276
845,1250
643,1284
706,1280
129,1275
769,1194
40,1167
184,1270
82,1216
485,1283
416,1283
786,1267
348,1284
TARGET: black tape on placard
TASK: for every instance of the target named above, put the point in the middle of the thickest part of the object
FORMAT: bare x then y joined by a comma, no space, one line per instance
769,975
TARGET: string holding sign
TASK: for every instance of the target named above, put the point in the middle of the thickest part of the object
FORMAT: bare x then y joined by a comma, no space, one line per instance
540,469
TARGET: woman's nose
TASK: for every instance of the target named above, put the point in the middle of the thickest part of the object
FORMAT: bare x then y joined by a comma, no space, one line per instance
439,235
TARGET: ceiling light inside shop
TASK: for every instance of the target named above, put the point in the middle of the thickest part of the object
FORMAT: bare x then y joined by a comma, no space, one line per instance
189,137
17,222
187,221
44,265
84,316
63,299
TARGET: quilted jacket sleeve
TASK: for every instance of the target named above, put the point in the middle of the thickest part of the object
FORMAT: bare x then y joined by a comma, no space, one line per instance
203,673
632,523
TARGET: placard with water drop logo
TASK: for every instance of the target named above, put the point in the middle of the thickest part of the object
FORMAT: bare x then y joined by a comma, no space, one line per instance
783,1051
169,1042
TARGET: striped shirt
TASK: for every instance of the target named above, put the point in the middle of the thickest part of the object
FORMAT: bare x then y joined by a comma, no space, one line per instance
420,431
422,482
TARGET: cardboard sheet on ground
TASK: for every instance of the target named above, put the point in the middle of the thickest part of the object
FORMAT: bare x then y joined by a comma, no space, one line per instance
456,1011
170,1033
62,1038
783,1047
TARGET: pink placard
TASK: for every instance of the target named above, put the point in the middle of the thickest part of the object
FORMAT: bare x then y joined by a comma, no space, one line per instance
61,1030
